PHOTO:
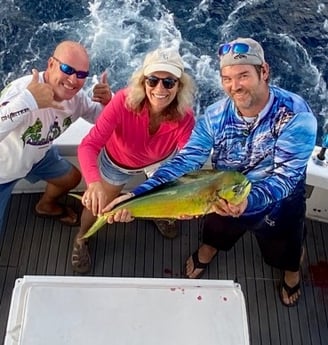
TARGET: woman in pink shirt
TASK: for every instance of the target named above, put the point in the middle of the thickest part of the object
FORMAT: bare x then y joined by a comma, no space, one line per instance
142,126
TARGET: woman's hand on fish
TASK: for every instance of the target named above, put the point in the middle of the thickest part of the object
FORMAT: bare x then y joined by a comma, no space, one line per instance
95,198
225,209
122,215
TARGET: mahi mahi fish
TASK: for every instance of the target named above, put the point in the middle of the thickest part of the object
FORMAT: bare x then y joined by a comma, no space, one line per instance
191,195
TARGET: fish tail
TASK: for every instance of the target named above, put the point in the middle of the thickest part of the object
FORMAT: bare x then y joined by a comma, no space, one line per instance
97,225
76,196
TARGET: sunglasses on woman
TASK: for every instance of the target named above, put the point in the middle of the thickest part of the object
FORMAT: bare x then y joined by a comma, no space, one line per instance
168,83
67,69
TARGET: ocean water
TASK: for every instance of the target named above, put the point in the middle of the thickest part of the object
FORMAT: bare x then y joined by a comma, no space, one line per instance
117,33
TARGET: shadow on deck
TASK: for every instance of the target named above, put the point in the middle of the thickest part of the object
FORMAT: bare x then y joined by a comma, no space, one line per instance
35,246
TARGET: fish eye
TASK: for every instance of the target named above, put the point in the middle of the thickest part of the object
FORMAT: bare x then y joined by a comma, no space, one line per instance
237,189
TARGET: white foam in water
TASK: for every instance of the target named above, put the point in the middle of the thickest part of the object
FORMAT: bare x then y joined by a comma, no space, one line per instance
119,33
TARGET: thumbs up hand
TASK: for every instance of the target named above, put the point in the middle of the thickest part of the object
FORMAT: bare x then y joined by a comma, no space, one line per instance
101,91
42,92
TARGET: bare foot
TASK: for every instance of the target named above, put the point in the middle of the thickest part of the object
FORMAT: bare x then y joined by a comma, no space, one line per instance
51,209
62,213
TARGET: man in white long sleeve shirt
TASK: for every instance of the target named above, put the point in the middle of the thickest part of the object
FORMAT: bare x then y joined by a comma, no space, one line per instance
35,110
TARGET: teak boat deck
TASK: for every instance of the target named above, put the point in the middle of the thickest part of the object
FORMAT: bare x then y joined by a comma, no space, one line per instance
35,246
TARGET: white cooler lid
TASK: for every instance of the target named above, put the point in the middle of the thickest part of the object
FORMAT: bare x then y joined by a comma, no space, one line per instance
53,310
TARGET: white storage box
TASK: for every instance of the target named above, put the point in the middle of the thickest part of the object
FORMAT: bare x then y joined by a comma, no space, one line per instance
52,310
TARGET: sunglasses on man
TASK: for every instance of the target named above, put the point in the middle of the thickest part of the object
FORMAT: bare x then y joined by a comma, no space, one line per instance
67,69
235,48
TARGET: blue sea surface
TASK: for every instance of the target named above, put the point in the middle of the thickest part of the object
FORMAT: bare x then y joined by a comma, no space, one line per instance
118,33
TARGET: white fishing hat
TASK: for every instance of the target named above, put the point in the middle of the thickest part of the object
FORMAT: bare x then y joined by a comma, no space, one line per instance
163,60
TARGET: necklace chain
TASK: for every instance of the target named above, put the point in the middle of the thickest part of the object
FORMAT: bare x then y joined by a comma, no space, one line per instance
248,121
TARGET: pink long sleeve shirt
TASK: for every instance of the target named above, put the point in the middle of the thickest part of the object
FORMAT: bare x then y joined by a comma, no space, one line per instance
126,138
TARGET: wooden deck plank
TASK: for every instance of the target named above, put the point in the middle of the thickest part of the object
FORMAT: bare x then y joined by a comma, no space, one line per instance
314,291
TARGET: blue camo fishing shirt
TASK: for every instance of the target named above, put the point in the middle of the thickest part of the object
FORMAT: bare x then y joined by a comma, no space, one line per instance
272,152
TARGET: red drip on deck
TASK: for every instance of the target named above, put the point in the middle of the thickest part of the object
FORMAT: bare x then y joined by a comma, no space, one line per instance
319,274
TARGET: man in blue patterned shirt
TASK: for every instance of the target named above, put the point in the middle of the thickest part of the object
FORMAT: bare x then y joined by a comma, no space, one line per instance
268,134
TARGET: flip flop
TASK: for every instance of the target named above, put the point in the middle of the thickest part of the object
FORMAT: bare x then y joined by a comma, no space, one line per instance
67,213
197,265
290,290
81,259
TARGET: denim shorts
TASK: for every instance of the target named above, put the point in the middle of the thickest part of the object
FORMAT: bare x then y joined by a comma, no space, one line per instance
114,174
52,165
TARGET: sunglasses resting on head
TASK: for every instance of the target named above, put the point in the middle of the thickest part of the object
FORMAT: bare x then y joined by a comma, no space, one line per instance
168,83
67,69
235,48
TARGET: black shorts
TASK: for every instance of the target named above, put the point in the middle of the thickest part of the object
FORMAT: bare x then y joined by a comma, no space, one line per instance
280,232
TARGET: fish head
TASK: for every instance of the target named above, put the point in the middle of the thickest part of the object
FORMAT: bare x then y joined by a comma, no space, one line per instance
235,190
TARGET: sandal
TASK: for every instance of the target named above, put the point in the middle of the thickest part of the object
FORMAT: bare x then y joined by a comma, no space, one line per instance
290,290
167,228
197,265
81,259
